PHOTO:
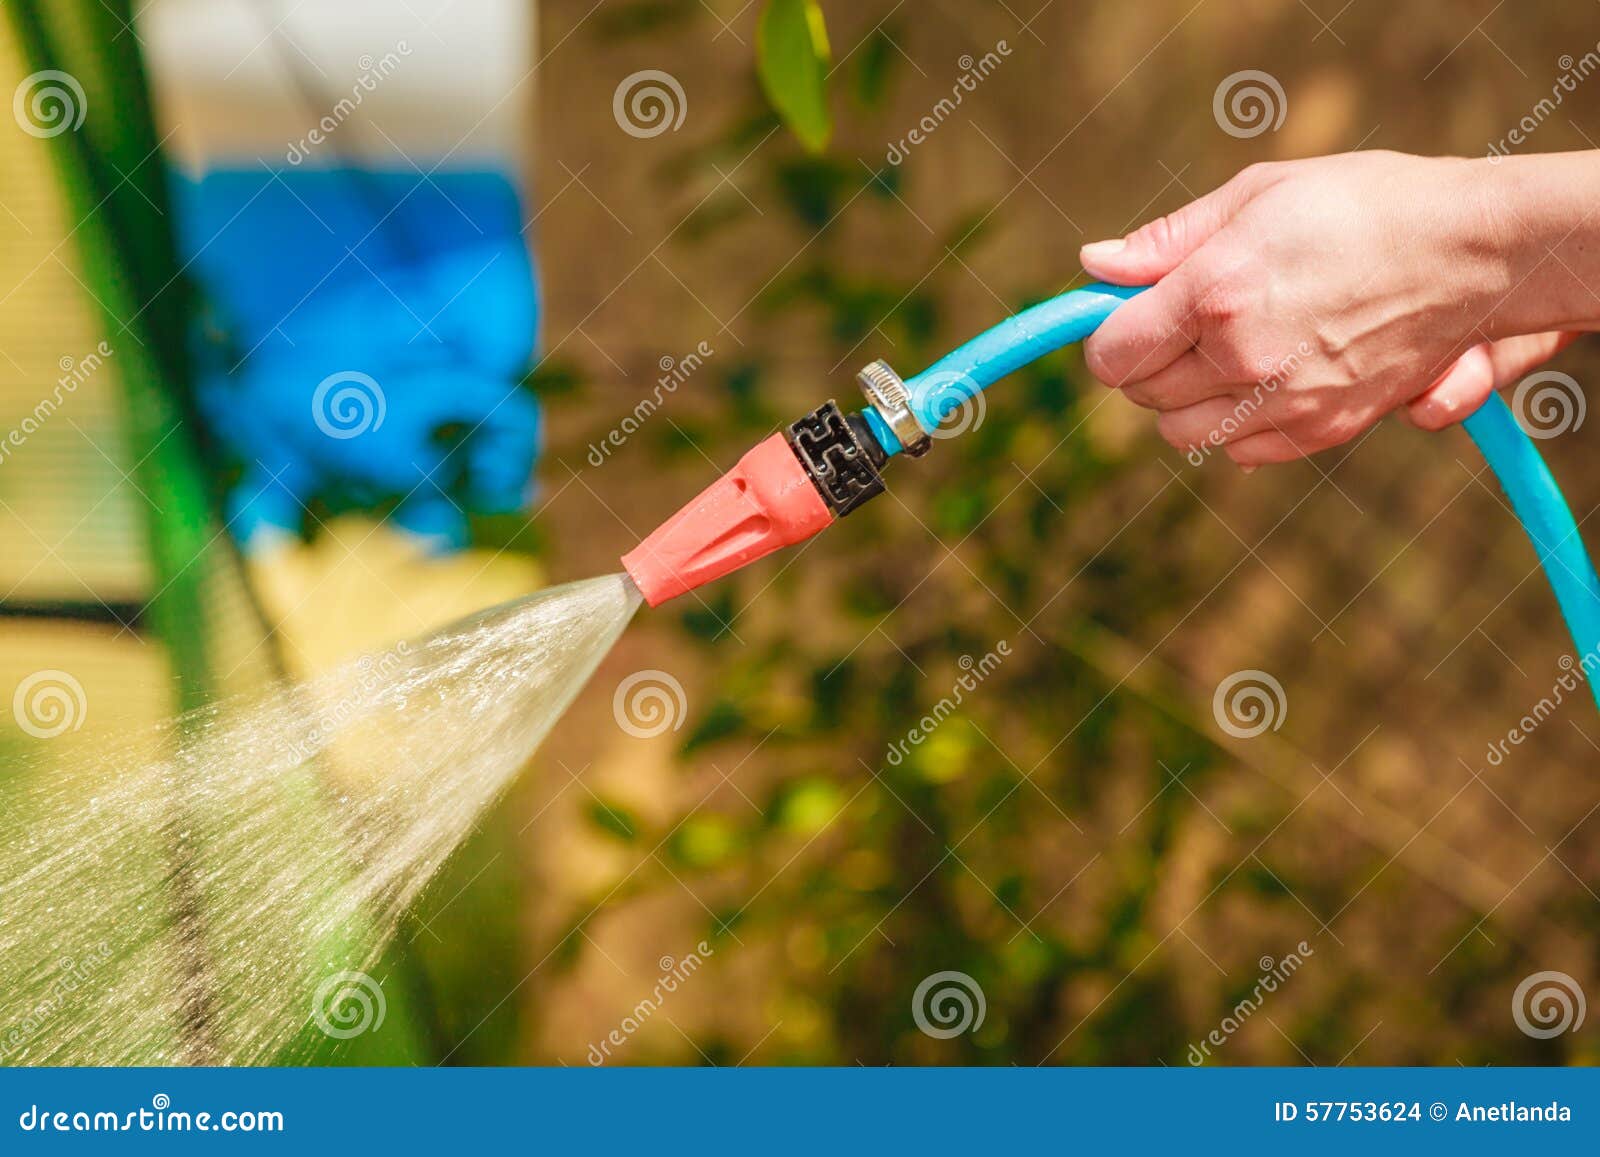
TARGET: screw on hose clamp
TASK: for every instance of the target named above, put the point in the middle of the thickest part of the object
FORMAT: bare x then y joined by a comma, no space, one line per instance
887,394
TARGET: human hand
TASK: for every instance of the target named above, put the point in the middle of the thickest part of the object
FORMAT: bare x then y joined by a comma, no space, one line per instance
1301,302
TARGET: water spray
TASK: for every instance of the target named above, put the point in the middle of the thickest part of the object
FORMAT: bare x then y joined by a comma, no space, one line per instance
829,463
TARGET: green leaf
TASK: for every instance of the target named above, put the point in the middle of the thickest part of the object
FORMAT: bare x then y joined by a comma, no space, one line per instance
792,58
614,819
703,841
874,64
814,187
809,806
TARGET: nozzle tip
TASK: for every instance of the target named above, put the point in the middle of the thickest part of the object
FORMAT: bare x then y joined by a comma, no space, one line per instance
765,502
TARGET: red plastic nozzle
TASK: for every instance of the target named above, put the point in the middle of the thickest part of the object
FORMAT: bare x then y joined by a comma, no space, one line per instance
765,502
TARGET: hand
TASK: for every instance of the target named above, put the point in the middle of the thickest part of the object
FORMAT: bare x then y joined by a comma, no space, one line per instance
1301,302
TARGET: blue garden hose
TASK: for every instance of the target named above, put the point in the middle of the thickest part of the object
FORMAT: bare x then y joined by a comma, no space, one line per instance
1548,521
944,386
941,389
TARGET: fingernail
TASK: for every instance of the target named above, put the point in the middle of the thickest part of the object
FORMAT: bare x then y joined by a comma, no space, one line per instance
1247,469
1098,249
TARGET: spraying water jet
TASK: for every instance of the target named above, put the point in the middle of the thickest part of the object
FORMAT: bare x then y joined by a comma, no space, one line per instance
309,816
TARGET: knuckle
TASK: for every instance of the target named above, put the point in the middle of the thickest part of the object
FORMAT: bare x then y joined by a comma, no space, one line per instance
1226,354
1223,301
1257,174
1237,362
1300,409
1164,234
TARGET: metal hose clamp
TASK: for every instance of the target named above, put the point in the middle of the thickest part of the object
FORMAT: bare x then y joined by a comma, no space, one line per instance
887,394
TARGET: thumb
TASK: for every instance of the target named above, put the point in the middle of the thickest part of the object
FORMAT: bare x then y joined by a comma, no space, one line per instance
1155,249
1467,384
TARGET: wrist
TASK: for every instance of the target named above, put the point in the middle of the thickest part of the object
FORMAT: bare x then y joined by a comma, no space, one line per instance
1535,217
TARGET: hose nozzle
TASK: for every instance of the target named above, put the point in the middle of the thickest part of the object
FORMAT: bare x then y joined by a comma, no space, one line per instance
783,491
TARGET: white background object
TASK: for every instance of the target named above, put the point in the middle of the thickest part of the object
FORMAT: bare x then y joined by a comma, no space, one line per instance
386,84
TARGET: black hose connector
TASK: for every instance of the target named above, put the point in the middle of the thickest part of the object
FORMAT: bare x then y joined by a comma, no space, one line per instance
841,456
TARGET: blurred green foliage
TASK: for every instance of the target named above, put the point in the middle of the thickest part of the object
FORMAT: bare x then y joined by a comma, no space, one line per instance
1048,837
867,875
